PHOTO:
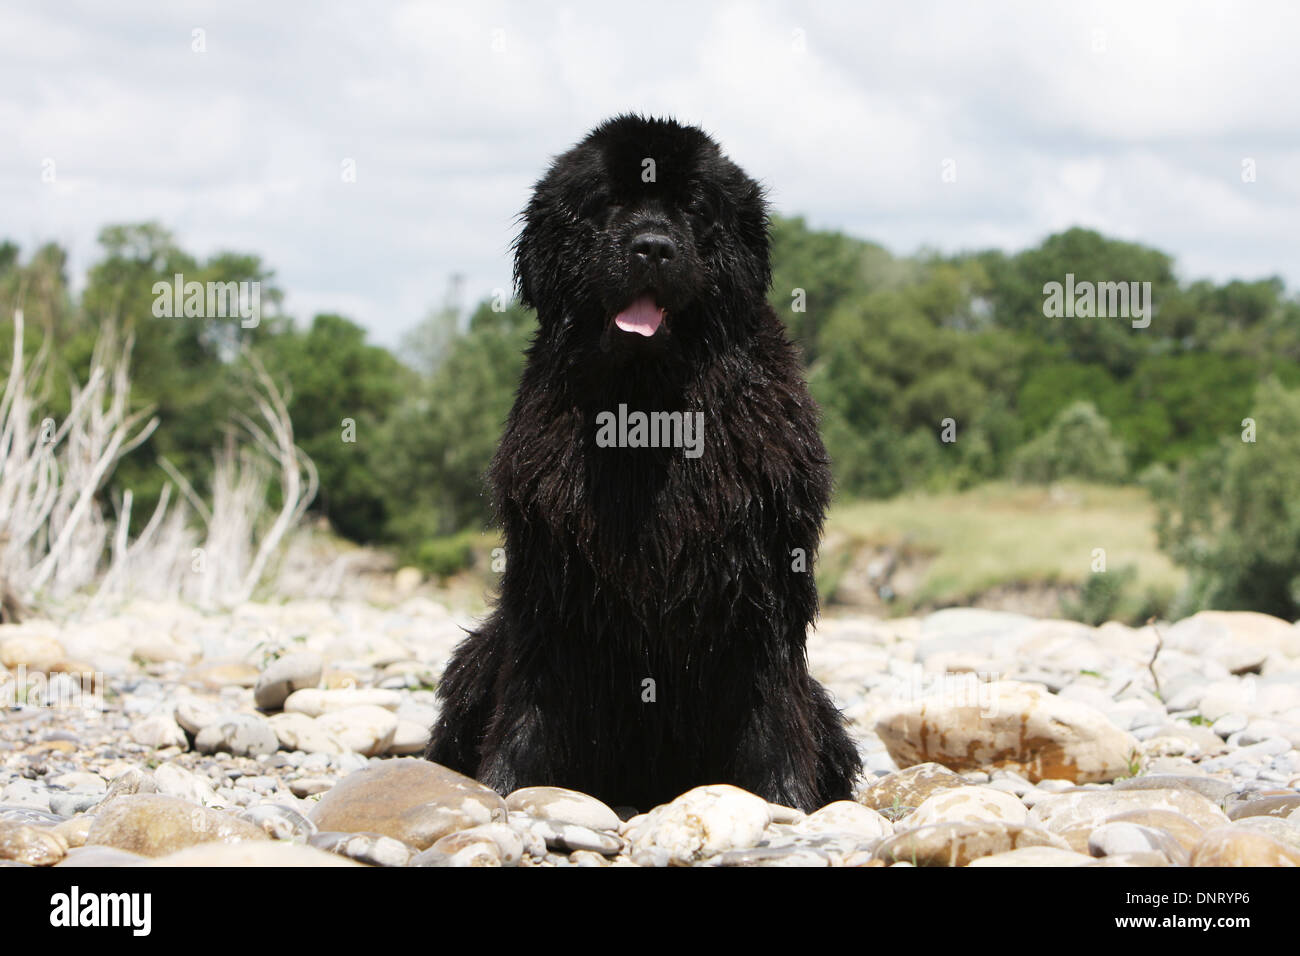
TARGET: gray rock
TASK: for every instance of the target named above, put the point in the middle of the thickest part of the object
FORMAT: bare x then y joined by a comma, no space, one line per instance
771,856
571,836
293,672
280,822
567,806
1117,839
1229,724
242,735
372,848
25,793
160,730
1209,787
195,713
70,803
309,786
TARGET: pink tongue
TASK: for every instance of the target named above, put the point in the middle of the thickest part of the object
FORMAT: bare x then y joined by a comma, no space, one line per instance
642,317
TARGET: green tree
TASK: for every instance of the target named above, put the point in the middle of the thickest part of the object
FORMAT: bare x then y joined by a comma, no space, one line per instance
341,390
1079,444
1232,517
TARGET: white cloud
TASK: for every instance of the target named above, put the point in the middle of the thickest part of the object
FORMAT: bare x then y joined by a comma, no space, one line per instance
1132,118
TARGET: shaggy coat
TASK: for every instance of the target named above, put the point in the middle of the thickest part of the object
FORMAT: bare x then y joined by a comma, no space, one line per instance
649,635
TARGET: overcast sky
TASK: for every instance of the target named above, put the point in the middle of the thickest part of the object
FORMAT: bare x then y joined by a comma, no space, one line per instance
1133,118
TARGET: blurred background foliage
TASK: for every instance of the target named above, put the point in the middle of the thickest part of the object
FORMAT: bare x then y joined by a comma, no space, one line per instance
894,346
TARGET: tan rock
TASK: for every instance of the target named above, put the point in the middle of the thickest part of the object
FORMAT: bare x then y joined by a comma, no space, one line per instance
21,646
153,825
967,805
568,806
908,788
367,729
956,844
1085,810
1016,726
35,846
847,816
1242,846
1186,831
415,801
315,701
701,823
1034,856
271,853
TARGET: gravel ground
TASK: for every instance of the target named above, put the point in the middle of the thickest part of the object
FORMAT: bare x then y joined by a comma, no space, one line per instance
284,734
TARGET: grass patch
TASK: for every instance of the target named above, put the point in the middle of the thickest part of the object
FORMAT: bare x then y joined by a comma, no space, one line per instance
1003,535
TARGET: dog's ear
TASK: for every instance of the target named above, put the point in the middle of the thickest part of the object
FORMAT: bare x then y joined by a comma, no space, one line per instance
753,227
534,248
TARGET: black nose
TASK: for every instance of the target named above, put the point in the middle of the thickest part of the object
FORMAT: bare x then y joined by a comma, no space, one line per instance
653,247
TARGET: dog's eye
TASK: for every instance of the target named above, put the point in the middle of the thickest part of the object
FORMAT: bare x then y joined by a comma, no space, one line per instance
595,206
703,212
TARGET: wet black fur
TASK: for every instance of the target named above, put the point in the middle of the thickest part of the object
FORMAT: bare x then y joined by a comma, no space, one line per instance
628,564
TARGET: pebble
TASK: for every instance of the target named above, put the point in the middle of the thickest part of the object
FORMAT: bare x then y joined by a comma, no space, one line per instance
967,805
956,844
308,786
772,856
100,856
1213,789
315,702
700,823
1186,832
1015,725
1034,856
280,822
300,732
244,855
160,730
1065,811
1217,754
1281,830
24,793
1281,806
33,846
1116,839
372,849
907,789
297,671
415,801
1242,846
175,781
154,825
568,806
366,729
195,713
571,837
242,735
508,841
847,816
21,646
71,803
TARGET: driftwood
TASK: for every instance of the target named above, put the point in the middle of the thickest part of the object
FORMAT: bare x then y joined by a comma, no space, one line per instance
57,540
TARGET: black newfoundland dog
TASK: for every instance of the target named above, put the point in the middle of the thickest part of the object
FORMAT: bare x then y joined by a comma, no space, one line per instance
661,484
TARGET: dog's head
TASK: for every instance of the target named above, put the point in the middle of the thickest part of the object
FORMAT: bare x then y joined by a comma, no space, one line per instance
642,234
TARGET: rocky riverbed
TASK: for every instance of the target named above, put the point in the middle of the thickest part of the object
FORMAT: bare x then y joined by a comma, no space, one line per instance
284,734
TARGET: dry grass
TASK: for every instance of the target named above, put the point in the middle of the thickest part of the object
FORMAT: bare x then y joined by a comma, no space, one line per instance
1004,535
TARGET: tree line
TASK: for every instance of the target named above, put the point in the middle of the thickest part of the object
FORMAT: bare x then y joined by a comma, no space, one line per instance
934,372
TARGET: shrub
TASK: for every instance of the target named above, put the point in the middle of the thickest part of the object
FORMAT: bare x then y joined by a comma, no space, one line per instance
1100,597
1078,444
1233,518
